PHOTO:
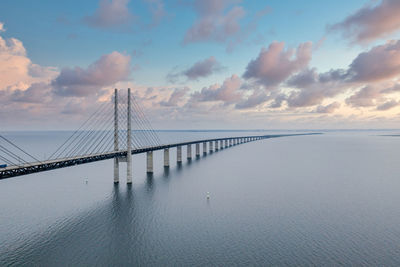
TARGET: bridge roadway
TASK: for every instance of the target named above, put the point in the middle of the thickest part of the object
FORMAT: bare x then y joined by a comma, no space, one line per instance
40,166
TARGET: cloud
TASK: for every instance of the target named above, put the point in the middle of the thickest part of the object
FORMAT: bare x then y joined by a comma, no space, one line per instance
216,21
379,63
106,71
227,92
313,87
256,98
157,11
388,105
328,108
365,97
304,78
110,14
37,93
370,22
202,69
363,72
277,101
2,29
16,69
177,95
274,65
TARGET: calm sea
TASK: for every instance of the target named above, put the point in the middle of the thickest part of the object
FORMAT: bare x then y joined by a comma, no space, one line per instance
330,199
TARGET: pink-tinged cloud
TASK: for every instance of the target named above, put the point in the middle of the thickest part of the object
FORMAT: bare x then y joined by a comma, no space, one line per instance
176,97
376,66
110,14
275,64
16,70
328,108
202,69
214,22
365,97
313,88
39,93
106,71
258,97
380,63
388,105
370,22
228,92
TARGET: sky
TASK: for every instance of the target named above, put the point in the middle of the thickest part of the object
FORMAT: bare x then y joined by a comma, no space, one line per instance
202,64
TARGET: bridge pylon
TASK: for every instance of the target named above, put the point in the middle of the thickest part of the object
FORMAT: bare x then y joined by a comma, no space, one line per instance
116,159
128,158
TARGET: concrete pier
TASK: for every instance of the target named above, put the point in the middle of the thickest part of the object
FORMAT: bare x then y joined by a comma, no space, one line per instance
216,145
129,143
179,154
150,162
226,143
197,150
205,148
189,152
211,147
166,157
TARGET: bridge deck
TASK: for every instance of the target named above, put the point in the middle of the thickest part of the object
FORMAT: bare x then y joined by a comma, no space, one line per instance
12,171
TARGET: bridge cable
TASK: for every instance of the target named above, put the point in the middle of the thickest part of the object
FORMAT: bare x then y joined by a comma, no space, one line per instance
79,130
90,137
17,147
139,109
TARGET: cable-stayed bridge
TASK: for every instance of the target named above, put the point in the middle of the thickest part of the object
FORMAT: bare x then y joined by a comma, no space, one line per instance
116,130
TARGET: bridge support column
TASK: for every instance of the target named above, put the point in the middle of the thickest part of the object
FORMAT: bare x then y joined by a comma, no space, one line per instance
150,162
179,154
189,151
226,143
116,171
211,146
116,163
216,145
205,148
221,144
129,143
197,150
166,157
230,142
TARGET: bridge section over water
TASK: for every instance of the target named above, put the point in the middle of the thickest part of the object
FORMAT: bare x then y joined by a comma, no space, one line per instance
108,134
